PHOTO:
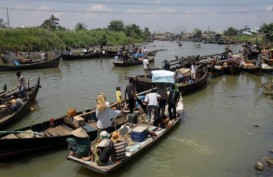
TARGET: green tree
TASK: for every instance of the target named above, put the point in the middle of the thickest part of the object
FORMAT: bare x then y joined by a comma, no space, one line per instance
80,26
146,33
267,30
116,25
230,32
51,23
2,24
197,34
133,29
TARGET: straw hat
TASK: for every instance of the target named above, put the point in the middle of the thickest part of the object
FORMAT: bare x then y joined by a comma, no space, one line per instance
115,136
80,133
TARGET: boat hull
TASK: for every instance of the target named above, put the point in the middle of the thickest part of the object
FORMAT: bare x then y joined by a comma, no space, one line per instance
36,65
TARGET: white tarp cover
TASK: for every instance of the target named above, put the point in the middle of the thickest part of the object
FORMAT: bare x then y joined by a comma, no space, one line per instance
162,76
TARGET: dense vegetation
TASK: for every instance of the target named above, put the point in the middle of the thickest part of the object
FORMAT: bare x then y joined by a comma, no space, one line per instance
50,35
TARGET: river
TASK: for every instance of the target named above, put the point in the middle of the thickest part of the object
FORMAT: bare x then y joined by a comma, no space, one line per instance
217,136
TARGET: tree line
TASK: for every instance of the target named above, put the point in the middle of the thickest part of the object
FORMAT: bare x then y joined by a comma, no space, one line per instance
50,35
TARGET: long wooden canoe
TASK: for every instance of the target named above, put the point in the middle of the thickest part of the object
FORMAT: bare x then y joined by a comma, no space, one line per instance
7,116
132,62
134,148
53,133
142,83
32,65
109,54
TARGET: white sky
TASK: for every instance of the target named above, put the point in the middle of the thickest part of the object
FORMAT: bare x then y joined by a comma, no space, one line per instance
158,15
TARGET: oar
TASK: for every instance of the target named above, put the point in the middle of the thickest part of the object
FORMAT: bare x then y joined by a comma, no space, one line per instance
4,132
14,88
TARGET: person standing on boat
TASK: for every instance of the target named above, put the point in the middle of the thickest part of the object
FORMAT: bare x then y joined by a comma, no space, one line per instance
151,99
119,98
130,92
173,101
79,144
167,65
21,83
103,114
193,71
146,66
162,91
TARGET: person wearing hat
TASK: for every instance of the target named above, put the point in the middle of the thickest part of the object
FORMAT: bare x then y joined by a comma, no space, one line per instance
103,150
119,151
79,144
16,103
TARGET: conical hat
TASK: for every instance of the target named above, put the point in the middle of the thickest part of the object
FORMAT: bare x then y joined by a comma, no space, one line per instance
80,133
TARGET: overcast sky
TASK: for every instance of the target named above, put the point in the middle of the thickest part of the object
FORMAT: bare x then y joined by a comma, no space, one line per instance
158,15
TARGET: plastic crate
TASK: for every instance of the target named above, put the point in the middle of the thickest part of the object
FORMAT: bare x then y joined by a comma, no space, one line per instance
139,133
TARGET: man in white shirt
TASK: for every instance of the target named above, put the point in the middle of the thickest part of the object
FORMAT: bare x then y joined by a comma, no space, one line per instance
151,99
21,83
146,66
193,71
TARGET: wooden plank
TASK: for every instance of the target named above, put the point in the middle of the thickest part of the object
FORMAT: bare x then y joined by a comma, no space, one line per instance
93,124
52,132
10,136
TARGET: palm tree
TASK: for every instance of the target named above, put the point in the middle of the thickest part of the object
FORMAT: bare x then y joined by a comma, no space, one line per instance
80,26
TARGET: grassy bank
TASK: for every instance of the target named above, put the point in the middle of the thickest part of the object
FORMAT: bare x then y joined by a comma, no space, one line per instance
36,39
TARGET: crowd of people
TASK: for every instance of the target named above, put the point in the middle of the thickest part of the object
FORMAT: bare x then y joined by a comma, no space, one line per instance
112,146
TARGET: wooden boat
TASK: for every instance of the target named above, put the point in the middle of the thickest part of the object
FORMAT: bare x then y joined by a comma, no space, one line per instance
231,66
7,116
142,83
132,62
215,70
134,148
108,54
253,70
267,69
268,87
32,65
200,82
269,58
54,132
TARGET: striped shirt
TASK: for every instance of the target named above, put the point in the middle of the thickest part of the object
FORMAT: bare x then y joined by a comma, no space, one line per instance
119,151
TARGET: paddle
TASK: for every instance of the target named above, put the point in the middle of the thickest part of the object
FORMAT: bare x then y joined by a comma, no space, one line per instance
14,88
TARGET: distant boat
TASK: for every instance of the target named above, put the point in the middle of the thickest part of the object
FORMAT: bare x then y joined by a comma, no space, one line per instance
198,45
179,44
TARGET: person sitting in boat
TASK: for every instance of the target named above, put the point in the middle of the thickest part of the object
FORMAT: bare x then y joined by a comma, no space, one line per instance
103,114
179,77
103,150
79,144
16,103
119,150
